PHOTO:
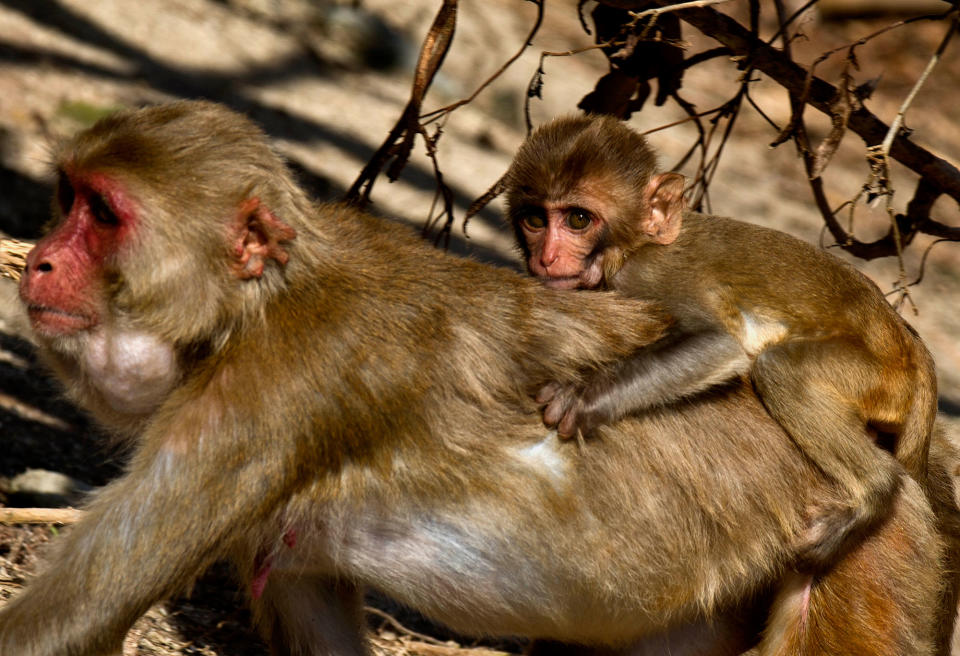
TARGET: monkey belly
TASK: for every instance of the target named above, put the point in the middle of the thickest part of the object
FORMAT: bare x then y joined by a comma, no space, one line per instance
476,577
562,544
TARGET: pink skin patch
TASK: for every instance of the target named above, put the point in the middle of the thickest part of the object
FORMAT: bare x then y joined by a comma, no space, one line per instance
559,252
264,563
261,568
805,603
258,237
60,285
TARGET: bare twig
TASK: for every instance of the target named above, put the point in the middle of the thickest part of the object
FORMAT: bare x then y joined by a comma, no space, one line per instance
536,81
934,59
421,643
14,405
923,261
392,621
692,116
399,142
656,11
40,515
476,206
430,649
443,192
431,116
785,23
878,183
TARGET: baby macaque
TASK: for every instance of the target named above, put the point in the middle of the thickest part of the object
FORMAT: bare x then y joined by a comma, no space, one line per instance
834,364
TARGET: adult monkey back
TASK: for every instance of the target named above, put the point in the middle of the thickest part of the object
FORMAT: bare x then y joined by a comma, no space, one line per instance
327,402
832,361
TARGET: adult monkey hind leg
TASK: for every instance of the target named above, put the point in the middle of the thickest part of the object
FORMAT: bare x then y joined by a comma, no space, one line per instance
886,597
300,614
815,390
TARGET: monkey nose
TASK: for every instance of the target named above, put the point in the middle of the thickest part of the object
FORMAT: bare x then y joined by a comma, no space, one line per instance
38,269
548,258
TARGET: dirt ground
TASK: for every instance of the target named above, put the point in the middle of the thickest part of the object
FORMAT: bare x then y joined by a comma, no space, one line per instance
328,95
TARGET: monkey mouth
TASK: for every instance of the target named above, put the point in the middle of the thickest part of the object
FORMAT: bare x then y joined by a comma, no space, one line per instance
54,322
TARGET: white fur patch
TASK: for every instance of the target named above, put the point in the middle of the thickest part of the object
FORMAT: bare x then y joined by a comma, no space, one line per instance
756,333
133,370
545,459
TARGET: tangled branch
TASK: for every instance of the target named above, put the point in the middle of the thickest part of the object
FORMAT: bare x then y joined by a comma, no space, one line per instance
937,175
642,42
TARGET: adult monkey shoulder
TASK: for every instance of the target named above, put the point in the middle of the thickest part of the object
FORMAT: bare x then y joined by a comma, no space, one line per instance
350,407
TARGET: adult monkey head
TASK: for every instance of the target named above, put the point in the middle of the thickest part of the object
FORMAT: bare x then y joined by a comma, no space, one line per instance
128,283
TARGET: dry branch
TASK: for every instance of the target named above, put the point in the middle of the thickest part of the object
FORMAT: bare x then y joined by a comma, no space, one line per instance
399,142
40,515
792,76
898,121
429,649
937,175
742,44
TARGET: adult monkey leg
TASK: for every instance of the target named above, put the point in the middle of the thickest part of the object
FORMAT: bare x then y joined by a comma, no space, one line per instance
874,600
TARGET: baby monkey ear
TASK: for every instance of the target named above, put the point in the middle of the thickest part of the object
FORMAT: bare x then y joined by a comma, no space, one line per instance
257,236
664,196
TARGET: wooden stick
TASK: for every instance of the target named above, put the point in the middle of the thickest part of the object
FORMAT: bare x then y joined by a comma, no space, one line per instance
429,649
40,515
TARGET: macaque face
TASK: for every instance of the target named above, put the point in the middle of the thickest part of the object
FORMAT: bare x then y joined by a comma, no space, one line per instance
562,240
65,290
62,286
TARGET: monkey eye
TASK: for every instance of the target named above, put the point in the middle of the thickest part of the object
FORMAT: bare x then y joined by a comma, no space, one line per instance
101,212
534,221
65,194
578,218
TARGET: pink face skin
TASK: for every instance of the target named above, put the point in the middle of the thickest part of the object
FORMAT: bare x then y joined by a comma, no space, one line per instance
562,240
61,286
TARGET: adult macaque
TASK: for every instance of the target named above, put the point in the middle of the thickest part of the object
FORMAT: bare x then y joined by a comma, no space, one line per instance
327,402
834,364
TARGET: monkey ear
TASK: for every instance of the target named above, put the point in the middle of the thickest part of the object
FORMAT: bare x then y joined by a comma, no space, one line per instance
257,237
666,202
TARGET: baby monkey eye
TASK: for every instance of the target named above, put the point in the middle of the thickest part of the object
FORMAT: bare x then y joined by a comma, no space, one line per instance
578,218
534,221
101,212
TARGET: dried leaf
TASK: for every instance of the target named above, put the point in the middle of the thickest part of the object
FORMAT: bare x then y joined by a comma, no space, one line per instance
535,90
840,110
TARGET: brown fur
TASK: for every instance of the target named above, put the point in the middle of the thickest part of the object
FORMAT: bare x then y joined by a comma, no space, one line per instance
359,415
829,357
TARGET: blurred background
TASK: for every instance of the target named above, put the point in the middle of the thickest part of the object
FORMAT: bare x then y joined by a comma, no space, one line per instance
328,80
